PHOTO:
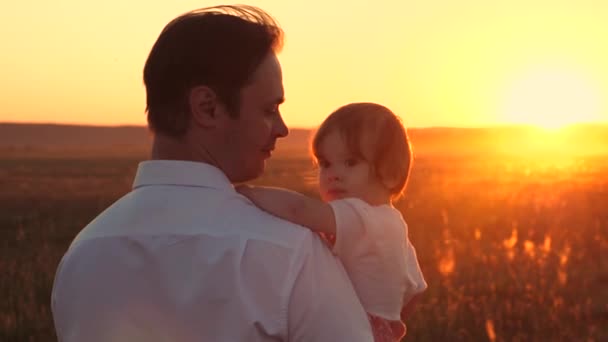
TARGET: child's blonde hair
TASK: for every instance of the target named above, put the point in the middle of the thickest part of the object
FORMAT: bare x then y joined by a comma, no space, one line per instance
388,148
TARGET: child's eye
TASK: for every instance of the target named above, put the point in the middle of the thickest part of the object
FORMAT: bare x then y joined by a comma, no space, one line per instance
351,162
323,164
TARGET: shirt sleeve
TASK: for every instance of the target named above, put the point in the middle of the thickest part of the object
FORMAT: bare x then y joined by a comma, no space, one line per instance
323,305
415,283
350,228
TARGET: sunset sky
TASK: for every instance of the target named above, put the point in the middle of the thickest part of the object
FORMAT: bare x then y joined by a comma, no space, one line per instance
434,62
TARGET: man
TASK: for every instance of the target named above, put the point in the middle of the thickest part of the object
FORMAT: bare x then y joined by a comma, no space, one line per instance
183,257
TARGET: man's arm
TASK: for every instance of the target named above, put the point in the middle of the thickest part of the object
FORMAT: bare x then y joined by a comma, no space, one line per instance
292,206
323,305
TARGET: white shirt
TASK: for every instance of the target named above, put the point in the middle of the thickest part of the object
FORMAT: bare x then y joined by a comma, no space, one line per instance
183,257
373,244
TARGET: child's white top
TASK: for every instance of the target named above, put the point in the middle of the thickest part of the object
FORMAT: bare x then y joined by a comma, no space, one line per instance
372,243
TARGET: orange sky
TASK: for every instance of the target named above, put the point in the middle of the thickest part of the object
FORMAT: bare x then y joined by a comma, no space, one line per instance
436,63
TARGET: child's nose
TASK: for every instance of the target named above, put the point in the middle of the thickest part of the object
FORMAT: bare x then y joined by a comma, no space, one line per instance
334,176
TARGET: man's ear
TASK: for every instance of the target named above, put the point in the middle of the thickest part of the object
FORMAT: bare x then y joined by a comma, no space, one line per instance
203,104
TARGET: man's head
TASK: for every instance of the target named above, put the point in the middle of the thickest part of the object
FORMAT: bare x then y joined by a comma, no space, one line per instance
213,85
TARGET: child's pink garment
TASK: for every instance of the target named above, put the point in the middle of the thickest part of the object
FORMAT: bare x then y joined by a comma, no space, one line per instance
385,330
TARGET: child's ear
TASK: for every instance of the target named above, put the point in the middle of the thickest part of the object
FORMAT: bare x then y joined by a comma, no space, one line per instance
390,182
203,105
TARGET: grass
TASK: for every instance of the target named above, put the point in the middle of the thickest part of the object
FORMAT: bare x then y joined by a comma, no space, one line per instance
513,249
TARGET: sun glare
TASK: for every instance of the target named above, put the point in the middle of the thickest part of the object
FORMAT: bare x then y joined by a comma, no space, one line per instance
551,98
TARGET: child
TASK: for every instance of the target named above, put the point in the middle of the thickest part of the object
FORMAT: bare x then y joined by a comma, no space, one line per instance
364,157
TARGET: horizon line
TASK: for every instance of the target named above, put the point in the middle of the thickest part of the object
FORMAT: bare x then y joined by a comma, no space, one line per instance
498,125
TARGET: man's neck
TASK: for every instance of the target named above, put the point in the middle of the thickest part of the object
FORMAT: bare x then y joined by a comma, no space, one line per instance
170,148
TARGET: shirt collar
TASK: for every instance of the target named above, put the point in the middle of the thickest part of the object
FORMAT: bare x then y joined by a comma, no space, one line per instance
180,173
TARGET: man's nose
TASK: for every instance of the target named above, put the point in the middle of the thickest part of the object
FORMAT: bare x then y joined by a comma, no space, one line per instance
280,127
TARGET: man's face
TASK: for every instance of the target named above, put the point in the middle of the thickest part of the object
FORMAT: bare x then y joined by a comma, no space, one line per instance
250,138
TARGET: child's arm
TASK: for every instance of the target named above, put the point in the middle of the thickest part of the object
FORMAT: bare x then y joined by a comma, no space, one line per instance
292,206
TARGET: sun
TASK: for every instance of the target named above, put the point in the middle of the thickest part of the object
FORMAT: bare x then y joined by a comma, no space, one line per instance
551,98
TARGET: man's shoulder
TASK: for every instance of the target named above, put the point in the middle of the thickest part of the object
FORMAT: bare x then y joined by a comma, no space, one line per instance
252,222
138,214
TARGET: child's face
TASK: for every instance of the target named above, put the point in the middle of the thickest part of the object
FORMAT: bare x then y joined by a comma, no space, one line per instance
343,175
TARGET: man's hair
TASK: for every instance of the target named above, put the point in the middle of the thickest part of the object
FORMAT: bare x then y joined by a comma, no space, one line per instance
388,151
219,47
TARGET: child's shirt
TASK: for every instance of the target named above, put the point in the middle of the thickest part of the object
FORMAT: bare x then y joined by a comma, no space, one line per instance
372,243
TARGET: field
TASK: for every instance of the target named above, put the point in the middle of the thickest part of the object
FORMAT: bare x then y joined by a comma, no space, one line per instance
513,248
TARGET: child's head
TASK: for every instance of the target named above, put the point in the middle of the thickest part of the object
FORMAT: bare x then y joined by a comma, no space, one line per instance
365,133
